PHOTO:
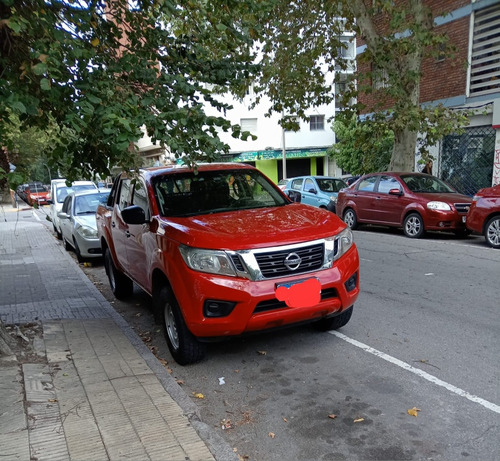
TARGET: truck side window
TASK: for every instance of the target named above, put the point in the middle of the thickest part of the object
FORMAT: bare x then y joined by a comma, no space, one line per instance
140,198
124,194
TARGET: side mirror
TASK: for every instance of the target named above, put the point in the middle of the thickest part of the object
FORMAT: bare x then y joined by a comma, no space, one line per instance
134,215
63,215
294,195
397,192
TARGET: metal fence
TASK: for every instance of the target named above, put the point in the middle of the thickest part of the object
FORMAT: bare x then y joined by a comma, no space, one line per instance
467,159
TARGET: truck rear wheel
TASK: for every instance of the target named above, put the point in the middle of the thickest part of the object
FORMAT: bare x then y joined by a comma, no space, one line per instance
121,286
183,345
334,323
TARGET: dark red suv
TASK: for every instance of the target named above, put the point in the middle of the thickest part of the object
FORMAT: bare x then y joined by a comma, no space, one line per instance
414,201
484,215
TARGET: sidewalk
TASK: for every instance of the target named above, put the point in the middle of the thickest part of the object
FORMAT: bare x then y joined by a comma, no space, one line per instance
92,390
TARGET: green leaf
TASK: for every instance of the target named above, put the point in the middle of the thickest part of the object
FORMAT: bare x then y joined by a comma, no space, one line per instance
45,84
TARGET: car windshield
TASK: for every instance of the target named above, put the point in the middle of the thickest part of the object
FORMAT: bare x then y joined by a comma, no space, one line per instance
187,194
330,184
421,183
36,188
63,192
87,204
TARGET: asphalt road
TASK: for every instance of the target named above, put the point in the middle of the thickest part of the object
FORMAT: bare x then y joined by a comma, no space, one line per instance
423,335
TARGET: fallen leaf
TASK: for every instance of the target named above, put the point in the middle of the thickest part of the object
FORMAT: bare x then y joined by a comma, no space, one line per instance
198,395
262,352
414,411
286,420
359,420
139,314
332,416
272,435
180,382
52,400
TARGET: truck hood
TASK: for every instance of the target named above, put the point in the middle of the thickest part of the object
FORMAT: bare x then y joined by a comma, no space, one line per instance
255,228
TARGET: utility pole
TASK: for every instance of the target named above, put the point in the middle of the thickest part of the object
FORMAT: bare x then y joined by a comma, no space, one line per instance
283,142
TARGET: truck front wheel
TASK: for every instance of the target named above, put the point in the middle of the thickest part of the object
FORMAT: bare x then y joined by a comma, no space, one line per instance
334,323
121,286
183,345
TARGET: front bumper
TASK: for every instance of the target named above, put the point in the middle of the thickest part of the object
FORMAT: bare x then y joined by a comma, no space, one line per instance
256,307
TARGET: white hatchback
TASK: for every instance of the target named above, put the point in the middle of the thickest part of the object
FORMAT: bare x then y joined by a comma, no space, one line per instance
59,190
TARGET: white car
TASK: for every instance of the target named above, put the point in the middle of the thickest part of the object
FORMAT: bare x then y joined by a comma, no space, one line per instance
78,222
59,190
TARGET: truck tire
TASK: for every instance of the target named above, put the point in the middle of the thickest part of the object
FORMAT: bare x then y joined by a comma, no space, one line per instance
121,286
183,345
334,323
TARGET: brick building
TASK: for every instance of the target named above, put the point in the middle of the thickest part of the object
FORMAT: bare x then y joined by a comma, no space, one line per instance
468,80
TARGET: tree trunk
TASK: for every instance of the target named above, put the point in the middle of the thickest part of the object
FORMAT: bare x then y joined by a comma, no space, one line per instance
6,341
4,184
403,153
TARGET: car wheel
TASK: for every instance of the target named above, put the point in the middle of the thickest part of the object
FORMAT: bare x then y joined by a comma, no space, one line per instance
334,323
67,246
413,226
183,345
121,286
350,218
492,232
78,252
58,234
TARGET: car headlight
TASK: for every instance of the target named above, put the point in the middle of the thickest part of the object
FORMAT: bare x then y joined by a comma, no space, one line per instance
211,261
333,198
441,206
87,232
338,245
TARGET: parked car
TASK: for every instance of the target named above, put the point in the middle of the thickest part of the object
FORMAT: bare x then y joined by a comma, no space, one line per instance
282,183
36,193
484,215
21,192
319,191
78,222
59,190
416,202
223,252
351,180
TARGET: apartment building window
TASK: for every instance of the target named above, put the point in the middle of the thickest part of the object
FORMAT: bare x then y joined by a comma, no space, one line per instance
340,89
248,124
380,77
317,123
485,59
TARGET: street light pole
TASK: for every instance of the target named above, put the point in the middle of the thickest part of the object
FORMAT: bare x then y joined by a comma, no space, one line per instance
46,166
283,142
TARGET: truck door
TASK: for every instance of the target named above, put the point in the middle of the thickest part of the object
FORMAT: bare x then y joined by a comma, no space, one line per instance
137,240
119,228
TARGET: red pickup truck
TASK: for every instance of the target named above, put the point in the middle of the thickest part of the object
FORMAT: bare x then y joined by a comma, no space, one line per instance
223,252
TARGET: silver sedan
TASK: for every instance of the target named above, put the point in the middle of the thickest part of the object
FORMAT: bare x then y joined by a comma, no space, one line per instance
78,223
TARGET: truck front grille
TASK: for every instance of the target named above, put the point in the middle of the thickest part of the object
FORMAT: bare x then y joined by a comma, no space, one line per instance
273,264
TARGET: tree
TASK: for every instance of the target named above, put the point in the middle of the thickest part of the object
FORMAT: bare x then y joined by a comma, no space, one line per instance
103,72
394,58
362,147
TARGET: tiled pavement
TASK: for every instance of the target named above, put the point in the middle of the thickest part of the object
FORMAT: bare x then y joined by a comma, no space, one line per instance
96,392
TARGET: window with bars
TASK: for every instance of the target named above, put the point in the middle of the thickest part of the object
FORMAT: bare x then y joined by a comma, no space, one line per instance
485,59
317,122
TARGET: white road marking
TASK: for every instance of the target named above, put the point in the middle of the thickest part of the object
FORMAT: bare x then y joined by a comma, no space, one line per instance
450,387
35,215
363,259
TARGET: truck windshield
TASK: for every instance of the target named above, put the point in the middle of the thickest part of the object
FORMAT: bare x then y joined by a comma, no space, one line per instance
187,194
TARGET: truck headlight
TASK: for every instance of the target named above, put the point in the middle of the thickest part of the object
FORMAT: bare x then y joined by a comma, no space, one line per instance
441,206
338,245
211,261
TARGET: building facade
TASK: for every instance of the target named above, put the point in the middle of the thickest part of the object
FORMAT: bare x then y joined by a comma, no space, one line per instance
470,80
